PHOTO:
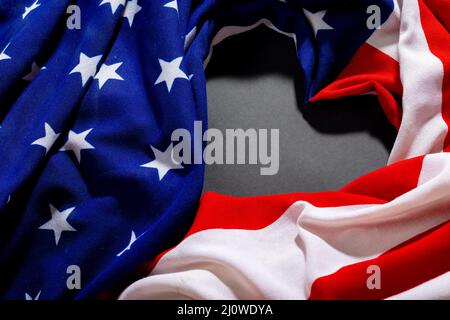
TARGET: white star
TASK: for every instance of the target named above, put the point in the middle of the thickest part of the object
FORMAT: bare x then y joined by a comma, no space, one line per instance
172,4
114,4
316,20
3,55
131,10
35,69
163,162
28,297
87,67
27,11
48,140
128,247
77,142
170,71
108,72
58,223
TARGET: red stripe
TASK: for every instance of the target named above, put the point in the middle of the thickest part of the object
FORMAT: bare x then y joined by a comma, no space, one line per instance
252,213
390,182
219,211
436,25
416,261
229,212
381,74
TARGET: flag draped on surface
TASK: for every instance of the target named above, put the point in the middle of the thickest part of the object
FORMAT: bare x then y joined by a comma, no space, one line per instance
88,178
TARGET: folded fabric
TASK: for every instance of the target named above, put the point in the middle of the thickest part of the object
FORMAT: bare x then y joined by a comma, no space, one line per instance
88,182
385,235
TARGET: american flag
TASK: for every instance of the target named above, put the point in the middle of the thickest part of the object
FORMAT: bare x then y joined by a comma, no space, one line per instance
87,179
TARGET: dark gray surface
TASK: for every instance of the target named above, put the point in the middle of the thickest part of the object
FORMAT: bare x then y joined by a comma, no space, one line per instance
254,81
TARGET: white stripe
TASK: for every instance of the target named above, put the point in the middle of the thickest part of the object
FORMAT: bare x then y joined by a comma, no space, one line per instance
189,38
435,289
386,38
229,31
422,129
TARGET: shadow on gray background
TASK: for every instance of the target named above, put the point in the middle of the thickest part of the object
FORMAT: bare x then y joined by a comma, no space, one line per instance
254,81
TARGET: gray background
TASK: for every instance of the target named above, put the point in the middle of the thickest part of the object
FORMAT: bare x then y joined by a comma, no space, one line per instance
254,81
